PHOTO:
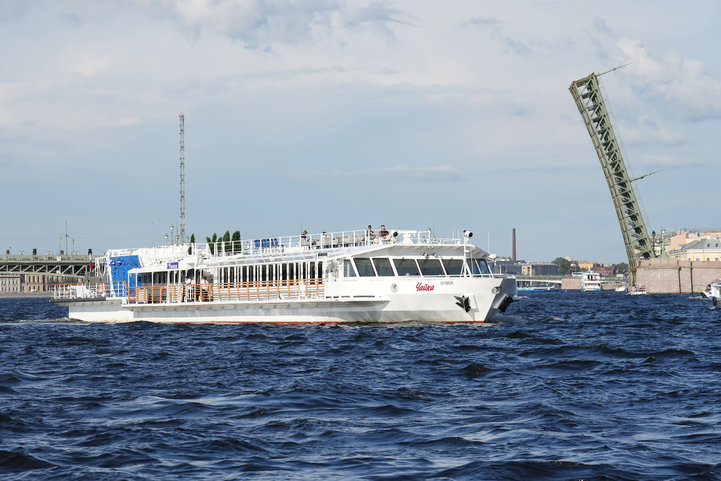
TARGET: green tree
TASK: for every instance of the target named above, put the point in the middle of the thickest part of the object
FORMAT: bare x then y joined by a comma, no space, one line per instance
564,265
211,242
192,241
236,241
621,268
226,241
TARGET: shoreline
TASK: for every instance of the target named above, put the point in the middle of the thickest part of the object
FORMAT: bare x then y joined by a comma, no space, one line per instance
24,295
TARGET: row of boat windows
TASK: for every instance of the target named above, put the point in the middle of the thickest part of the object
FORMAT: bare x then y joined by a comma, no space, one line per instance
384,267
248,273
354,267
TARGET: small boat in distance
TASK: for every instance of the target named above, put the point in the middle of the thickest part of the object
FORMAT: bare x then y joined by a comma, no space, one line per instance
713,291
349,276
638,291
591,281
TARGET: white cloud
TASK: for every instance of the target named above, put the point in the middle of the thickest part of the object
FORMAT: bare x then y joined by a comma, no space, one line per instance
664,160
13,9
653,134
358,92
683,82
433,173
255,23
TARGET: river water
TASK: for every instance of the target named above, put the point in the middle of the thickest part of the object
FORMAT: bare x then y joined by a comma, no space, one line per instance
564,386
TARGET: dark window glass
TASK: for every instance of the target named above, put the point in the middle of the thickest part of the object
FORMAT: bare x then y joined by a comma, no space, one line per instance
430,267
348,270
453,266
406,267
364,266
483,264
383,266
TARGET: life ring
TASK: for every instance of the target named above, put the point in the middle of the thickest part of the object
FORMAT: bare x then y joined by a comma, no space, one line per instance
100,289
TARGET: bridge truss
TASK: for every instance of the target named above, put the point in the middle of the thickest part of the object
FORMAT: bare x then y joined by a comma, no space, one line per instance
76,267
587,94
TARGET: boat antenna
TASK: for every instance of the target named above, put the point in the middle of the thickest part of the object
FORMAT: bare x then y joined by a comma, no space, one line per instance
181,119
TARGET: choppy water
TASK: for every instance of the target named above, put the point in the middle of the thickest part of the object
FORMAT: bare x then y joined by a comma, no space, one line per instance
567,385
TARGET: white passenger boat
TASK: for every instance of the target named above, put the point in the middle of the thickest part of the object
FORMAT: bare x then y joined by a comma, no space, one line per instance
591,281
715,291
341,277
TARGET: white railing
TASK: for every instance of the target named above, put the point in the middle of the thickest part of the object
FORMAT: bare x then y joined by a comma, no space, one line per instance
228,291
98,290
324,240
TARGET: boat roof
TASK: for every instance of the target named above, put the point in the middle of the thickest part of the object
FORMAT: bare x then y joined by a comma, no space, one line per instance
300,247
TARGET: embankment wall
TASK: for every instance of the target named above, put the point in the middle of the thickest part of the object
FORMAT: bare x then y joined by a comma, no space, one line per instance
667,276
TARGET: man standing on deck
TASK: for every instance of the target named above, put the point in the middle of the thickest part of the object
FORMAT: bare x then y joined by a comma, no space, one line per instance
188,290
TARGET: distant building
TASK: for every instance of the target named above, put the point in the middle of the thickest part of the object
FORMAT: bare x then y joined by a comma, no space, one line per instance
606,270
708,249
33,283
502,265
9,283
680,244
539,269
16,283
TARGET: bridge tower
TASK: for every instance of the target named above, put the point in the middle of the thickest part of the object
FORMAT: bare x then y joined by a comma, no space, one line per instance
587,94
181,119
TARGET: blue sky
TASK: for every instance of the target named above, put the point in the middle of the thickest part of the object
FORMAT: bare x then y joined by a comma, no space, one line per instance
331,115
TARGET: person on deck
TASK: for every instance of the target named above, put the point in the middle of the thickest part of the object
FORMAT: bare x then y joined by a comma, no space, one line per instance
384,233
205,289
188,289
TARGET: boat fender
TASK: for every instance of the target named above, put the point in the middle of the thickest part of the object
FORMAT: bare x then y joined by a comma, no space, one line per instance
101,290
713,301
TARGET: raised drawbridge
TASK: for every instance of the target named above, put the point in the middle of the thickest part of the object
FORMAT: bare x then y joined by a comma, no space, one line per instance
587,94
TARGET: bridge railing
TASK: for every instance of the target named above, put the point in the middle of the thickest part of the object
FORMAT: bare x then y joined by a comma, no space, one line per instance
49,257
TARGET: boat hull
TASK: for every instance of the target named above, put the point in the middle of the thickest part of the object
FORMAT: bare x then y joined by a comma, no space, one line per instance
459,304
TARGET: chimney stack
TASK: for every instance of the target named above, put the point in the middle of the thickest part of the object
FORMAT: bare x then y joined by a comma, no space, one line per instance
514,245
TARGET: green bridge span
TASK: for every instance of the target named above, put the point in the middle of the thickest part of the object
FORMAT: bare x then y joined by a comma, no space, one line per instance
71,266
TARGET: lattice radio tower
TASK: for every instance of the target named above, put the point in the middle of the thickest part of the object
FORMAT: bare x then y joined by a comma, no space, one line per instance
587,94
181,119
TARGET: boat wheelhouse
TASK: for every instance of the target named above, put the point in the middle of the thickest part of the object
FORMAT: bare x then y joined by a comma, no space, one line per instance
347,276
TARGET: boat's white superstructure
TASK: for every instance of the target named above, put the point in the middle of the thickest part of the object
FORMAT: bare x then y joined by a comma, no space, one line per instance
715,291
591,281
348,276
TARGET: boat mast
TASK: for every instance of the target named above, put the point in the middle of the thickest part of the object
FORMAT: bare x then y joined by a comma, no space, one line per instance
587,94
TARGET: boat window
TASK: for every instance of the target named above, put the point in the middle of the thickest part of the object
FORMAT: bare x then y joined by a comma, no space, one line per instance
348,270
406,267
364,266
430,267
479,267
453,266
485,268
383,266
